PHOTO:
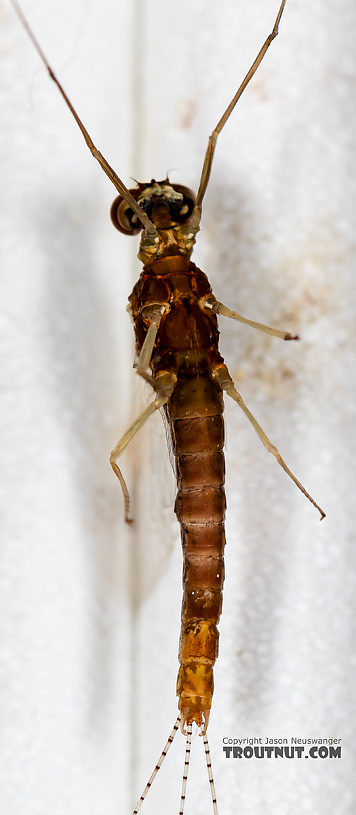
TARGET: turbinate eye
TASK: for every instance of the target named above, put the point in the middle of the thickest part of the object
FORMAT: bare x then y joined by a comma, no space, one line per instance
187,206
123,216
125,219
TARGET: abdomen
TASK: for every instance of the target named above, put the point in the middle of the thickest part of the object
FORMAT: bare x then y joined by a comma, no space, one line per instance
195,416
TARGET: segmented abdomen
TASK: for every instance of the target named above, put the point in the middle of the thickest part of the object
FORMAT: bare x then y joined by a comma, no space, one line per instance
195,415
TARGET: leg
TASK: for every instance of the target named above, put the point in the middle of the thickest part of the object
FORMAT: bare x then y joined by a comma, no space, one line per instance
164,386
209,155
222,376
142,365
150,339
219,308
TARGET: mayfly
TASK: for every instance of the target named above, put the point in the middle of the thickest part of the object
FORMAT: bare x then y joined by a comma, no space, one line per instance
175,318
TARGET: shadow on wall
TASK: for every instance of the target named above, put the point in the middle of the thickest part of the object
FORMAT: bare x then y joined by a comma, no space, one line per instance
81,350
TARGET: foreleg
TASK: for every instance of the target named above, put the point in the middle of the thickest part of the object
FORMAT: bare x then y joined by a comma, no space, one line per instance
163,386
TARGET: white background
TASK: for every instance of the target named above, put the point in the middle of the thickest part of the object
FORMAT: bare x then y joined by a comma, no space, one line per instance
89,618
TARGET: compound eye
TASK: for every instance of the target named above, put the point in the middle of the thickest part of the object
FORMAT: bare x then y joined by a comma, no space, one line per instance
187,205
123,216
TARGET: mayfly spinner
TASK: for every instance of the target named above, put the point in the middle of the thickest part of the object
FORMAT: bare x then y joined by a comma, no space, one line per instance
175,319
